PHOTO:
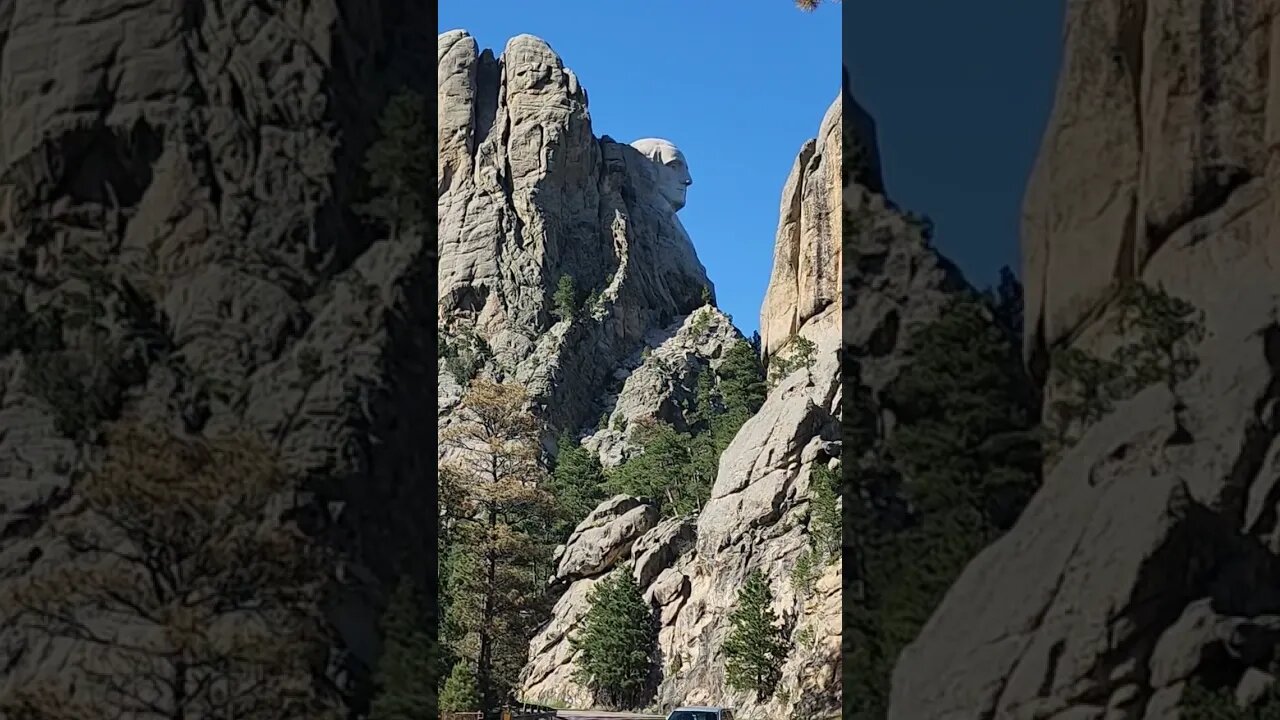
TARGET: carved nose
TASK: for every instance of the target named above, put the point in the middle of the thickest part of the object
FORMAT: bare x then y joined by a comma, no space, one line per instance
687,183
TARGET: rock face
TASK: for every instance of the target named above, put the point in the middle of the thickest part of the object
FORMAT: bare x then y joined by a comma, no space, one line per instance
1150,556
805,279
528,195
663,383
185,171
757,517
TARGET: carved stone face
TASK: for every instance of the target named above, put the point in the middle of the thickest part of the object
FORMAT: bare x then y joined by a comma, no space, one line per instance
673,171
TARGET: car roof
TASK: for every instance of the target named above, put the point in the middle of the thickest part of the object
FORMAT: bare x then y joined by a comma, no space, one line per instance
699,708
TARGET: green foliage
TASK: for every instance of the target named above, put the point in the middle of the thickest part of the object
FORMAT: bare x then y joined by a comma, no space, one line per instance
565,299
407,668
1088,388
1164,329
188,512
674,469
755,649
966,418
1201,703
825,521
741,379
805,637
401,165
461,692
577,486
701,321
118,334
961,464
805,572
617,641
464,354
495,511
677,469
801,356
1160,334
706,295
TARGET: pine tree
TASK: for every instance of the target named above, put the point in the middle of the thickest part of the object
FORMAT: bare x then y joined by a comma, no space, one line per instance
496,602
961,464
1164,331
755,649
406,670
676,470
825,523
401,165
1200,703
616,643
741,379
577,485
460,693
810,5
172,540
565,299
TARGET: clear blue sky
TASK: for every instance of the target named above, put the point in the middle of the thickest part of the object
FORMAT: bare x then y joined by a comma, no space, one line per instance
960,92
738,86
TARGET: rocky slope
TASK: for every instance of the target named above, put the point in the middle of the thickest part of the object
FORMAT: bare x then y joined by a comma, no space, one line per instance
1150,556
527,195
178,245
691,568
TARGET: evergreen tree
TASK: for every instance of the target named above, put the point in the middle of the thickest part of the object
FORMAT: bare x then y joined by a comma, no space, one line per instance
1008,303
496,602
966,418
755,649
810,5
825,523
1201,703
401,165
461,693
1164,331
577,485
406,689
172,537
741,379
565,299
961,464
617,642
676,470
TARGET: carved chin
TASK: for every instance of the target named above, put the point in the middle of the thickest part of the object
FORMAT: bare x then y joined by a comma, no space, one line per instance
675,196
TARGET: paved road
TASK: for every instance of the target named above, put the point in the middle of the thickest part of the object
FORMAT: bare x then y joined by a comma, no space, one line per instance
604,715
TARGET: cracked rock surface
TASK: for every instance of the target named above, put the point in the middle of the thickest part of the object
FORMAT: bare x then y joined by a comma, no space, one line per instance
183,172
690,569
1150,556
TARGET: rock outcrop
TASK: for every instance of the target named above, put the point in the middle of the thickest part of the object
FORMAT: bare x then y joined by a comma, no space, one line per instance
757,517
528,195
177,244
805,279
1149,558
663,384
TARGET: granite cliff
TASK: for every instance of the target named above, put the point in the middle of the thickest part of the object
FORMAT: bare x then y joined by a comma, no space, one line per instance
178,246
1146,566
528,196
757,518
